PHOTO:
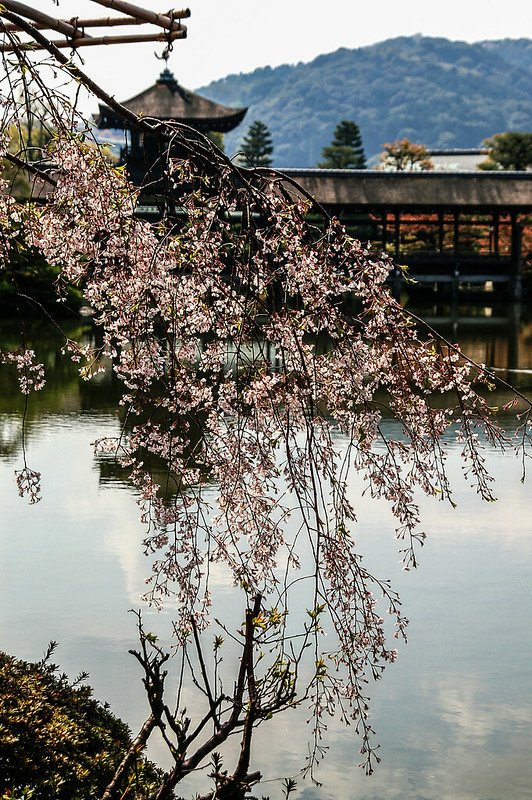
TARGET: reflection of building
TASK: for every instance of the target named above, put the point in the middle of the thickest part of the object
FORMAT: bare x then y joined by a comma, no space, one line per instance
166,100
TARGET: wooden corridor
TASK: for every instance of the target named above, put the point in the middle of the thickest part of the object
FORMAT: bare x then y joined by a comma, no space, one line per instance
465,228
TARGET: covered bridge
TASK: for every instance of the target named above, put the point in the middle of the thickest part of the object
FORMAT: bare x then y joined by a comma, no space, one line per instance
466,227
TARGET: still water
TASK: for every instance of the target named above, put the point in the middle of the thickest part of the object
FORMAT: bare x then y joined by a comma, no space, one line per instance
453,715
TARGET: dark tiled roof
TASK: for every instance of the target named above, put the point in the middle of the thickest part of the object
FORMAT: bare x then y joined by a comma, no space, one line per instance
417,190
168,100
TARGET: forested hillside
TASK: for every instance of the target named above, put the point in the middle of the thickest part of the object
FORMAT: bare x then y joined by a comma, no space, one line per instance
433,91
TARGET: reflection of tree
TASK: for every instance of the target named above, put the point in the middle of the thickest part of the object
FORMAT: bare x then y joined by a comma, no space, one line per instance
11,435
65,392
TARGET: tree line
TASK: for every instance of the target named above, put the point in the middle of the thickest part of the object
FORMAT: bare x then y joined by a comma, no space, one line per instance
511,150
450,95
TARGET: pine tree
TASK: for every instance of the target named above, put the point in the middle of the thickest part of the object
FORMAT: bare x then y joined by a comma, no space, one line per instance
346,150
257,145
511,151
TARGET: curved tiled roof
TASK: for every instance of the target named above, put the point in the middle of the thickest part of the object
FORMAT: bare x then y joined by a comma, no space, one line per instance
168,100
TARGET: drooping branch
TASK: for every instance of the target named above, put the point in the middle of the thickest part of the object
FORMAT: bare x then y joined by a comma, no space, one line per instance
32,169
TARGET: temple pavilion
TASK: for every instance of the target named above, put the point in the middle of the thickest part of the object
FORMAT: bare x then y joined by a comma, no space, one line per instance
167,100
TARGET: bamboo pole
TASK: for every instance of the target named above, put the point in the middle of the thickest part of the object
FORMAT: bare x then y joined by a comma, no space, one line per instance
85,23
92,41
33,14
104,22
162,20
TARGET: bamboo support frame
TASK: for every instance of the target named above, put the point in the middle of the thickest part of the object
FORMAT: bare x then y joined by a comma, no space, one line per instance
39,17
76,35
103,22
90,41
162,20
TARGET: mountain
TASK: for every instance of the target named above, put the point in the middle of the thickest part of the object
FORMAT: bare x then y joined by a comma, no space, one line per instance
517,52
436,92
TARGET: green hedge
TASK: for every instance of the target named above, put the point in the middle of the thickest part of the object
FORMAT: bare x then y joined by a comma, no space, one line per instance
56,741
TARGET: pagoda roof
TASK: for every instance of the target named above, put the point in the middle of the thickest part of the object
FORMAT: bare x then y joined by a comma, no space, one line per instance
168,100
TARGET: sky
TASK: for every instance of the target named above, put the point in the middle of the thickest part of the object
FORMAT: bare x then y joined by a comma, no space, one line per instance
240,35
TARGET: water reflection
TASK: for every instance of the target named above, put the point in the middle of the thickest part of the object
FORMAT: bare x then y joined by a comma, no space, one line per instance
65,393
499,336
453,714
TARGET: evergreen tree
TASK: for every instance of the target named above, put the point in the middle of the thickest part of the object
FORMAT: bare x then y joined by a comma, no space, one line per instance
257,145
511,150
217,138
346,150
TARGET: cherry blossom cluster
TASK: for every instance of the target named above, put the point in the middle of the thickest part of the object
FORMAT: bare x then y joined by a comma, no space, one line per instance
31,376
29,484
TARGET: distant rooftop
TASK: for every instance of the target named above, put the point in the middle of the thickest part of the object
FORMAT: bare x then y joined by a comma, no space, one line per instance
458,151
167,100
422,190
456,159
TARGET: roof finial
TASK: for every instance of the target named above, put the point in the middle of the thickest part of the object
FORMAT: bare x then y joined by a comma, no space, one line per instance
165,55
166,76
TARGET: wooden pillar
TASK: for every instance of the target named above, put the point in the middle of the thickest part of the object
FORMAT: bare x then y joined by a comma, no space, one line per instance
456,231
517,239
441,231
397,281
397,234
384,230
496,222
456,245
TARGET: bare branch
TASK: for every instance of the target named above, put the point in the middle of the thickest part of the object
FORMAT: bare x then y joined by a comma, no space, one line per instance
212,704
139,744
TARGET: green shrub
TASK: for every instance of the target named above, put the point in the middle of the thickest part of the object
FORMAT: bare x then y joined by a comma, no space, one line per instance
56,741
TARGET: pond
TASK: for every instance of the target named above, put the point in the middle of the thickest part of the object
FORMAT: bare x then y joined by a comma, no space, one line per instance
453,715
